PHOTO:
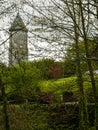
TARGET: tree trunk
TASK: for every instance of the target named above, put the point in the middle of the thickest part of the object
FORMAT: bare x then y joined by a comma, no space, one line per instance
89,66
5,112
83,114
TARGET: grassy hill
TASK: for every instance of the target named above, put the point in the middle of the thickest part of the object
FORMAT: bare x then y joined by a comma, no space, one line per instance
64,84
57,87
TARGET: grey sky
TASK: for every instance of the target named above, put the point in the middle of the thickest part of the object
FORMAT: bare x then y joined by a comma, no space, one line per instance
36,45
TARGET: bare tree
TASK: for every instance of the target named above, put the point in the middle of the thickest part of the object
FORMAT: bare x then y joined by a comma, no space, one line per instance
62,18
5,9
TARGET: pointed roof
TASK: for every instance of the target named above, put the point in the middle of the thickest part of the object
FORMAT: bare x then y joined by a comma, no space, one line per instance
18,24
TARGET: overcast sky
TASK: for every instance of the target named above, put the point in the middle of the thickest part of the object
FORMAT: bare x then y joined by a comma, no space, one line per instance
37,47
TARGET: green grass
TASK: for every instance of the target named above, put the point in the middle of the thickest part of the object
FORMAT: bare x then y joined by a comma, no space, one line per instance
58,86
36,117
64,84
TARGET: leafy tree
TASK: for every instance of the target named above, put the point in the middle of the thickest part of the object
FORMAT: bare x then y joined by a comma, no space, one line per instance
3,96
93,50
48,68
54,70
68,67
23,80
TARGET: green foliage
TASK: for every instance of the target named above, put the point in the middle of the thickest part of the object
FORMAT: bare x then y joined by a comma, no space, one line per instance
23,80
49,68
43,65
71,50
41,117
68,68
62,84
57,87
93,52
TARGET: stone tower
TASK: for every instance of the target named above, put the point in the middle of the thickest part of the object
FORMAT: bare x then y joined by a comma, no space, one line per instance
18,49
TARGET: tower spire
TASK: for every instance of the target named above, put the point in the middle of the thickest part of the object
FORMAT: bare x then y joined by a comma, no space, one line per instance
18,24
